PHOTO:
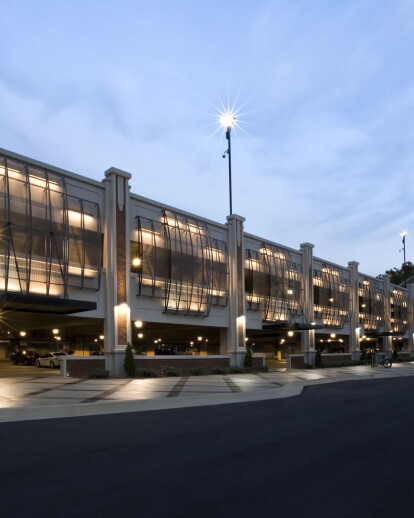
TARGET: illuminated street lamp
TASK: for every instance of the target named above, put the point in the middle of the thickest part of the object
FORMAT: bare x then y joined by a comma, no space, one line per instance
228,120
403,233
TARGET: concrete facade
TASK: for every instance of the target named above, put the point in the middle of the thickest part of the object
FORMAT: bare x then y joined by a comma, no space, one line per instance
170,282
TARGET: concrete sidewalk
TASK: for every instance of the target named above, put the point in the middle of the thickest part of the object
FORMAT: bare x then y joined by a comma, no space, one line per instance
43,397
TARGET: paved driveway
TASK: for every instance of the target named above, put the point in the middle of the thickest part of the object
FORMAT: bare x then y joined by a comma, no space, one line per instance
37,389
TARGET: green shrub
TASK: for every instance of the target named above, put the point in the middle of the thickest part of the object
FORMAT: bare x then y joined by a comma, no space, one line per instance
395,354
363,354
248,359
129,363
197,371
99,374
146,373
318,359
171,371
219,370
235,369
263,368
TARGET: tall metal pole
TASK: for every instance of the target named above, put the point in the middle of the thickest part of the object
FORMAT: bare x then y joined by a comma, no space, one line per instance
229,153
405,271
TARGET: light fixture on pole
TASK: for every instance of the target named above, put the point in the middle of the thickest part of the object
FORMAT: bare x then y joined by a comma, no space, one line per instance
227,120
403,233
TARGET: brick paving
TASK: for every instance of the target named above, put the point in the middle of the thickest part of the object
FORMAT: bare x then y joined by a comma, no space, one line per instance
31,387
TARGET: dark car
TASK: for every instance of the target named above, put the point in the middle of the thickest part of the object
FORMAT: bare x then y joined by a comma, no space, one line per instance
26,357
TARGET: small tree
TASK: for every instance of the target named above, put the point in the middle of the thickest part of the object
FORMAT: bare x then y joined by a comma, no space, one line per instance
129,363
248,359
363,354
318,358
395,353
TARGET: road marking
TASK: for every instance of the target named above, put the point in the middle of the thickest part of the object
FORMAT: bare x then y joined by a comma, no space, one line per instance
104,393
178,387
232,386
263,377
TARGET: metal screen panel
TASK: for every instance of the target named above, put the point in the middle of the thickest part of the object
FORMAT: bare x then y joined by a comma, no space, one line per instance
399,310
331,294
371,304
273,284
48,240
177,260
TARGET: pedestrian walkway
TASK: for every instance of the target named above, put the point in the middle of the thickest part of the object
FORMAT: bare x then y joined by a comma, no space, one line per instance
32,397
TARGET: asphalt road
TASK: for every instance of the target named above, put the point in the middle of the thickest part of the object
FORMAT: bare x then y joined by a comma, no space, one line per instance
338,450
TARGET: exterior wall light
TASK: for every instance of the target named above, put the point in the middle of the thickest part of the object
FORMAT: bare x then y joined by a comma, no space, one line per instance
290,333
140,335
138,323
55,331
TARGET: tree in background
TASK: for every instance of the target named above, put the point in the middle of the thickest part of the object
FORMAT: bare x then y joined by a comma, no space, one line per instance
398,275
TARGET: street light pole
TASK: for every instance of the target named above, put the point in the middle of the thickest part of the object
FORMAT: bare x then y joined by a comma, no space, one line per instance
229,153
403,233
228,120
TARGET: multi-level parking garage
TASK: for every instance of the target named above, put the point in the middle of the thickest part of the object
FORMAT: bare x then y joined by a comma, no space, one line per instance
87,266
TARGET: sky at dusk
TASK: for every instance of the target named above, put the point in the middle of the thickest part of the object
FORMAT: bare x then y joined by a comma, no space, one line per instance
325,93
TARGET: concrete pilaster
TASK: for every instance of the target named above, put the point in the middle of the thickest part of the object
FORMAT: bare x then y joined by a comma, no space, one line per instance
308,337
387,340
355,331
232,339
411,319
118,315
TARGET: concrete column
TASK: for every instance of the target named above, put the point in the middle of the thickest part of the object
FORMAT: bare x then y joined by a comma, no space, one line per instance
355,331
411,319
308,337
387,340
118,317
232,338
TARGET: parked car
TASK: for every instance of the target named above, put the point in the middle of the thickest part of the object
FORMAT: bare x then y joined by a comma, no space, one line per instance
51,360
26,357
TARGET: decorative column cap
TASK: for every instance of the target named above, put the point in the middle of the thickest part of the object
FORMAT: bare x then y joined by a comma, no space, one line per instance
307,245
353,263
237,217
118,172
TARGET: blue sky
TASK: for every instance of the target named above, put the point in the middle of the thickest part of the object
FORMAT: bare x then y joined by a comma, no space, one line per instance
326,89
